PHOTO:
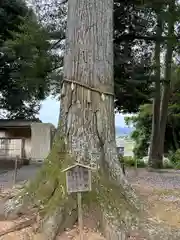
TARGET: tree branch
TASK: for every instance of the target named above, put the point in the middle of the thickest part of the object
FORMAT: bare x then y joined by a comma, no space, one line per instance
55,44
146,38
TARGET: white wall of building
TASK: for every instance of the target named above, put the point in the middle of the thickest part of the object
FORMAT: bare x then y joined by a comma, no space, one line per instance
40,141
128,145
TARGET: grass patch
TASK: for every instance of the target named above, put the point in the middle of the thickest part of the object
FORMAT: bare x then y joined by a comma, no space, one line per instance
132,162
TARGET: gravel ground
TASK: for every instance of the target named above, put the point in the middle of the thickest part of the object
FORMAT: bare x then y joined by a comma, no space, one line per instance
24,173
166,179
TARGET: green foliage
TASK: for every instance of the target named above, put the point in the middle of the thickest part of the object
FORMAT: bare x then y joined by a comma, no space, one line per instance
174,157
10,10
48,188
141,134
142,122
132,57
25,62
132,162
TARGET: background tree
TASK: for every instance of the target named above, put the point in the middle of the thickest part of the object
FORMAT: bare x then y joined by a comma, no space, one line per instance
153,154
160,112
132,55
171,15
142,122
25,61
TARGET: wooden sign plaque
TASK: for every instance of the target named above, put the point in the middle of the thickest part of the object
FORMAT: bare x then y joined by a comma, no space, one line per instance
78,178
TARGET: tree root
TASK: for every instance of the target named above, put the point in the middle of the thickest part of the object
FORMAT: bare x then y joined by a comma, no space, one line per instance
15,207
121,208
24,224
147,229
58,221
119,219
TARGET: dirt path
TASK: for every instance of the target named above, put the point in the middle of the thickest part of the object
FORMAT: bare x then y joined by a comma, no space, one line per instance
23,174
161,191
166,179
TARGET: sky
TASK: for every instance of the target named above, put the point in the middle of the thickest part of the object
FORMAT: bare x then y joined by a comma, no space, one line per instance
49,113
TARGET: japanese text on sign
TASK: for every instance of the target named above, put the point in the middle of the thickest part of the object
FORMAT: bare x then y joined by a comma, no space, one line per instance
78,179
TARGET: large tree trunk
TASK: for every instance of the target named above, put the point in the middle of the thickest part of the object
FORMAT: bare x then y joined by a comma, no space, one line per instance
87,108
88,103
168,73
86,133
154,161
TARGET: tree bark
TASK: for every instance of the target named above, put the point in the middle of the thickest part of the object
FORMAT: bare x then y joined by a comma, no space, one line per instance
87,111
154,161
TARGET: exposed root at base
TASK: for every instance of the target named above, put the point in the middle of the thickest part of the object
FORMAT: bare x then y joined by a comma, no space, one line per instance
62,218
119,218
17,227
113,226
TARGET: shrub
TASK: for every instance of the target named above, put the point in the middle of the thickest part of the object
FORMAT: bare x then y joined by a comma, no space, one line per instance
132,162
129,161
175,159
141,164
177,166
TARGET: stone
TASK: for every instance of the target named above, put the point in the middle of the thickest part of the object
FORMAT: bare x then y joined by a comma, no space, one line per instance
166,161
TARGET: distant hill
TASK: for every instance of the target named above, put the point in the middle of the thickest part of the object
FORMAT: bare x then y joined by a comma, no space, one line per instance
123,131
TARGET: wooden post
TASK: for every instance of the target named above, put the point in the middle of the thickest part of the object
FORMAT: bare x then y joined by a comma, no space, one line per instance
15,170
136,166
78,180
80,217
22,149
